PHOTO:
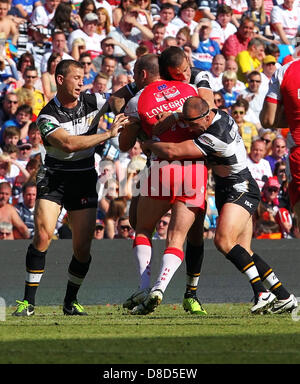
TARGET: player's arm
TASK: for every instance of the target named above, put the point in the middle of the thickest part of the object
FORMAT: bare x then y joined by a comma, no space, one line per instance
208,95
61,139
129,134
272,115
173,151
120,98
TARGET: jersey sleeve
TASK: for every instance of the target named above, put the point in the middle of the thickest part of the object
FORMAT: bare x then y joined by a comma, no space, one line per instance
205,143
131,108
274,95
100,100
201,79
47,124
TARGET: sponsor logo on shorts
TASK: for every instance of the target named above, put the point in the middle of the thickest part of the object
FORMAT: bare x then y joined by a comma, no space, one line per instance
248,203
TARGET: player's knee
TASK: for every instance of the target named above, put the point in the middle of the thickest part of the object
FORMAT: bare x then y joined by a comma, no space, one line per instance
42,239
222,243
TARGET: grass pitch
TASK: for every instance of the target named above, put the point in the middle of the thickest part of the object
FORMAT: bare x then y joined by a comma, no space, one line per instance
229,334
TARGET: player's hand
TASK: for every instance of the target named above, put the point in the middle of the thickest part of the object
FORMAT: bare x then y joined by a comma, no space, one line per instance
145,147
165,121
116,127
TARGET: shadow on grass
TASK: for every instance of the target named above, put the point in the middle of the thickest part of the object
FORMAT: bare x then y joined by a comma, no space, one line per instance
247,349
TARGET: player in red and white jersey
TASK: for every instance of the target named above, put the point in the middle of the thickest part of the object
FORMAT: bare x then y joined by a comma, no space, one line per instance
159,96
284,91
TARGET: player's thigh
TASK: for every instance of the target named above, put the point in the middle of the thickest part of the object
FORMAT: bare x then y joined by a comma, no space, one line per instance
182,218
45,220
149,212
82,223
232,222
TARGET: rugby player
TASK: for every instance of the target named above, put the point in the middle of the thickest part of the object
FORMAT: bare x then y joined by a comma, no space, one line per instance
281,109
146,106
217,139
68,125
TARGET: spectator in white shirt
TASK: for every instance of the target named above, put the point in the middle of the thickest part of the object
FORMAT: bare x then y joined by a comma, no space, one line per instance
216,72
129,35
255,98
43,14
258,166
222,27
59,46
186,16
285,22
167,14
88,34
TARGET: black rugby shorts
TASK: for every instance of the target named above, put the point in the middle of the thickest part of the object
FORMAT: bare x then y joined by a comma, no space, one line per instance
73,190
248,200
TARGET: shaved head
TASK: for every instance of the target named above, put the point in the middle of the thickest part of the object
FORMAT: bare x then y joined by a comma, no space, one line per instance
194,106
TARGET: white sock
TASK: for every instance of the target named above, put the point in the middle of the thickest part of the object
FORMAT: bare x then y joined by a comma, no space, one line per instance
171,261
143,254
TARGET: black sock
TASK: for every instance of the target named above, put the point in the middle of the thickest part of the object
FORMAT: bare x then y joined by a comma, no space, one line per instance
194,258
35,266
269,278
77,272
244,263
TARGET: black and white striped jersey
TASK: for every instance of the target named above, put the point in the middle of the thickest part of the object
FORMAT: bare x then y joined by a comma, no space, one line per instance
225,151
81,120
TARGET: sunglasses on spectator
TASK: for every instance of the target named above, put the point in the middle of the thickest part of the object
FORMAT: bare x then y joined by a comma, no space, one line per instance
5,233
99,227
125,227
238,112
281,171
163,222
218,100
108,45
254,81
273,189
11,102
31,77
86,62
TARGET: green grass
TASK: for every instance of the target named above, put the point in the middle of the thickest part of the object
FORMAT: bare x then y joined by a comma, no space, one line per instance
109,335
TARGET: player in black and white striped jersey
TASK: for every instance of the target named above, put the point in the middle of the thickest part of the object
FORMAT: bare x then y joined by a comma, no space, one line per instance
68,125
237,195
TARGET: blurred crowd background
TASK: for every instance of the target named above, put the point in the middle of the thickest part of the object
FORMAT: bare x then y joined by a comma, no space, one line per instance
239,43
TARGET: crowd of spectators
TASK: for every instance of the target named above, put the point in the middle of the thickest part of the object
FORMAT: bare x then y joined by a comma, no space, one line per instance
239,43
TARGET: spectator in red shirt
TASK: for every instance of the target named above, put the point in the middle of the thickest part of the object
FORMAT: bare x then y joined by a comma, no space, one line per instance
239,41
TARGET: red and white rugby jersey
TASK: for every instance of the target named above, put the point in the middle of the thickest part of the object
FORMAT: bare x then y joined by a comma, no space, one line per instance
156,98
285,87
